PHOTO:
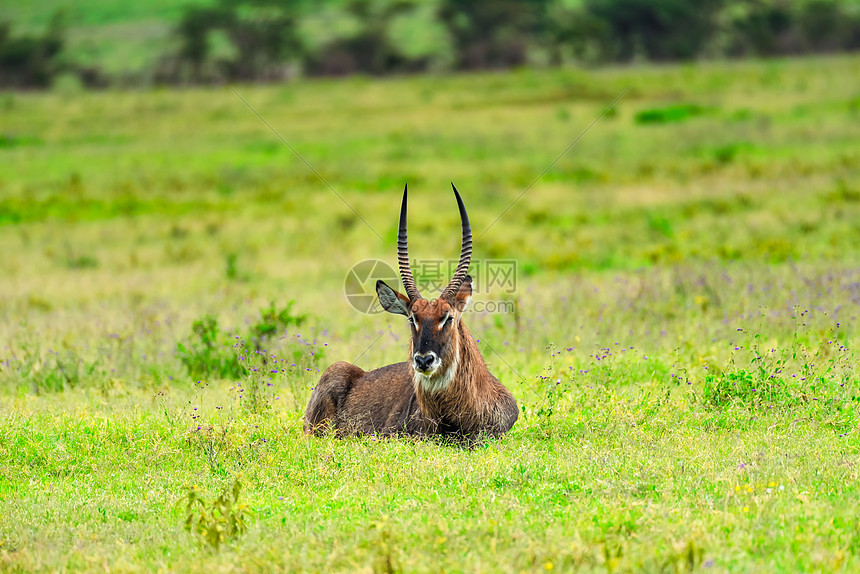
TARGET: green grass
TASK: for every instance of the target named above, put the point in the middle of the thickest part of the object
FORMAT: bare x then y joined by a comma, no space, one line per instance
682,347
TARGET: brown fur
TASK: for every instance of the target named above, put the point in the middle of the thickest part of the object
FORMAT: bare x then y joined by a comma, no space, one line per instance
455,395
389,401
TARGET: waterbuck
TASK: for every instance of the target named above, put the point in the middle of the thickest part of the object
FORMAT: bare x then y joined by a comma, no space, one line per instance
443,389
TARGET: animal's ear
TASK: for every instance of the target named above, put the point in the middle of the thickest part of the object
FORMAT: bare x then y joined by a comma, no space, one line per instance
391,300
461,299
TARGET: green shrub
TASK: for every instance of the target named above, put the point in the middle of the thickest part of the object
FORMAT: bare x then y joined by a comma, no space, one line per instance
208,352
670,114
218,521
272,321
212,352
31,61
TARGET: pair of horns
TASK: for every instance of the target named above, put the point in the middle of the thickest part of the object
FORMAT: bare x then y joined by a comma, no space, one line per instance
465,254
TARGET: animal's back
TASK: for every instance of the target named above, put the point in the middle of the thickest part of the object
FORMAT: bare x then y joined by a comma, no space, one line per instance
381,401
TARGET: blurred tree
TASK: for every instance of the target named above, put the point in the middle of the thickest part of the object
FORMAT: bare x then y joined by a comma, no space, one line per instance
759,27
262,33
370,50
660,29
255,40
578,33
493,33
825,26
31,61
194,29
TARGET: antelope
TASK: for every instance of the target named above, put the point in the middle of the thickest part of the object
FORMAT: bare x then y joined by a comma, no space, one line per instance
443,389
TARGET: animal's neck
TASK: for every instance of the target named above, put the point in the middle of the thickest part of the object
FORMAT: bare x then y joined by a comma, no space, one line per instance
459,385
441,381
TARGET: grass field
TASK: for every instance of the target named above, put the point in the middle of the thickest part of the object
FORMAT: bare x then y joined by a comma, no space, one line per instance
682,341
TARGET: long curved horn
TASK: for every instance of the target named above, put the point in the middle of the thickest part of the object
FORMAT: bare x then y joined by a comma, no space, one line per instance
403,255
465,252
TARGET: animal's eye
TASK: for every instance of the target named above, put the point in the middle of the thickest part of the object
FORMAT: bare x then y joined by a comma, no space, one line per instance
446,320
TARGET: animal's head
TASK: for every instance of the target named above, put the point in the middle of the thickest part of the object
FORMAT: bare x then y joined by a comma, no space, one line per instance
434,324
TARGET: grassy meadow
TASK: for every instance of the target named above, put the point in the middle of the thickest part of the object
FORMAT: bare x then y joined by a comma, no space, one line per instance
682,340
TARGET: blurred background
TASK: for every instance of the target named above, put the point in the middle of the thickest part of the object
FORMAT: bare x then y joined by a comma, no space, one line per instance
99,43
174,174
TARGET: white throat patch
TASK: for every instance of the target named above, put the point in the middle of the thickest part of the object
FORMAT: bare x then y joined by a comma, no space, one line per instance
438,381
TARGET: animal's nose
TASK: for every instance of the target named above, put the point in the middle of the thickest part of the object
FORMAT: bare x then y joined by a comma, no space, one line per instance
423,362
